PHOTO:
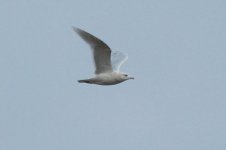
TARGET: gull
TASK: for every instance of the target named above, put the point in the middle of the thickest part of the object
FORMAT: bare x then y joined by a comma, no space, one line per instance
107,63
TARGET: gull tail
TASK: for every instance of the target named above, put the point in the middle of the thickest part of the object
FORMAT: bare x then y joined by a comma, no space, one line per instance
85,81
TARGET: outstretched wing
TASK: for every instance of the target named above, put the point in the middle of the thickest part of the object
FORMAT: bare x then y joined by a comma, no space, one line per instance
101,51
117,59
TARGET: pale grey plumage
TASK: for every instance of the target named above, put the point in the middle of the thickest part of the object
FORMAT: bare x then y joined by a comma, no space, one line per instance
102,59
101,51
117,59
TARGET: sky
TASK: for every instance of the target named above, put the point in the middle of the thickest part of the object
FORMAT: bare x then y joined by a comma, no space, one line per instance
177,54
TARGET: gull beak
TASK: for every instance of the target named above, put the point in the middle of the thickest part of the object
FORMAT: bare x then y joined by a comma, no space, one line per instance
131,78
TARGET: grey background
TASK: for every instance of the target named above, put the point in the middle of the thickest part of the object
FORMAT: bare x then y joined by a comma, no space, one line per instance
177,54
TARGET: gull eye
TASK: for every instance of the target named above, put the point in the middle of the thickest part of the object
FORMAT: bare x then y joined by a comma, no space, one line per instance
125,75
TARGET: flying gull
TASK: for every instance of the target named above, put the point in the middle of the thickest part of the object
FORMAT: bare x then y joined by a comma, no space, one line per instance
107,63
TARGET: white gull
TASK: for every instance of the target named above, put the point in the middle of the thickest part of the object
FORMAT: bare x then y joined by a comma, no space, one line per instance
107,64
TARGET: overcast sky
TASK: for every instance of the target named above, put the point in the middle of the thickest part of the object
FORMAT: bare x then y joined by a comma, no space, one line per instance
177,54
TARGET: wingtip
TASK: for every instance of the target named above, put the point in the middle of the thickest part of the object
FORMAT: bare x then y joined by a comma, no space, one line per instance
75,28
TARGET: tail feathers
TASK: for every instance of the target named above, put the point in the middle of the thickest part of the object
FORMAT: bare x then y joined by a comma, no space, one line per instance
85,81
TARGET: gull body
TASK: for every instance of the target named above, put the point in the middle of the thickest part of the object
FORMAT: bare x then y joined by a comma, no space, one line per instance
106,72
110,78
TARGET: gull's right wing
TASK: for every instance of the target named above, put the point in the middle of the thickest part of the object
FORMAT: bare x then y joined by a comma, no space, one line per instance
101,51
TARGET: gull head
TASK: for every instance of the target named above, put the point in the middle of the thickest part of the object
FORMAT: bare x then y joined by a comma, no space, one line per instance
125,77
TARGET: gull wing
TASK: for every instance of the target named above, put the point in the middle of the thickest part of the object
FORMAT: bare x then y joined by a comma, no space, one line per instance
101,51
117,59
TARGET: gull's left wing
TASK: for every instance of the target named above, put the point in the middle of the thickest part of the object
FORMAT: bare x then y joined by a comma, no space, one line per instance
117,59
